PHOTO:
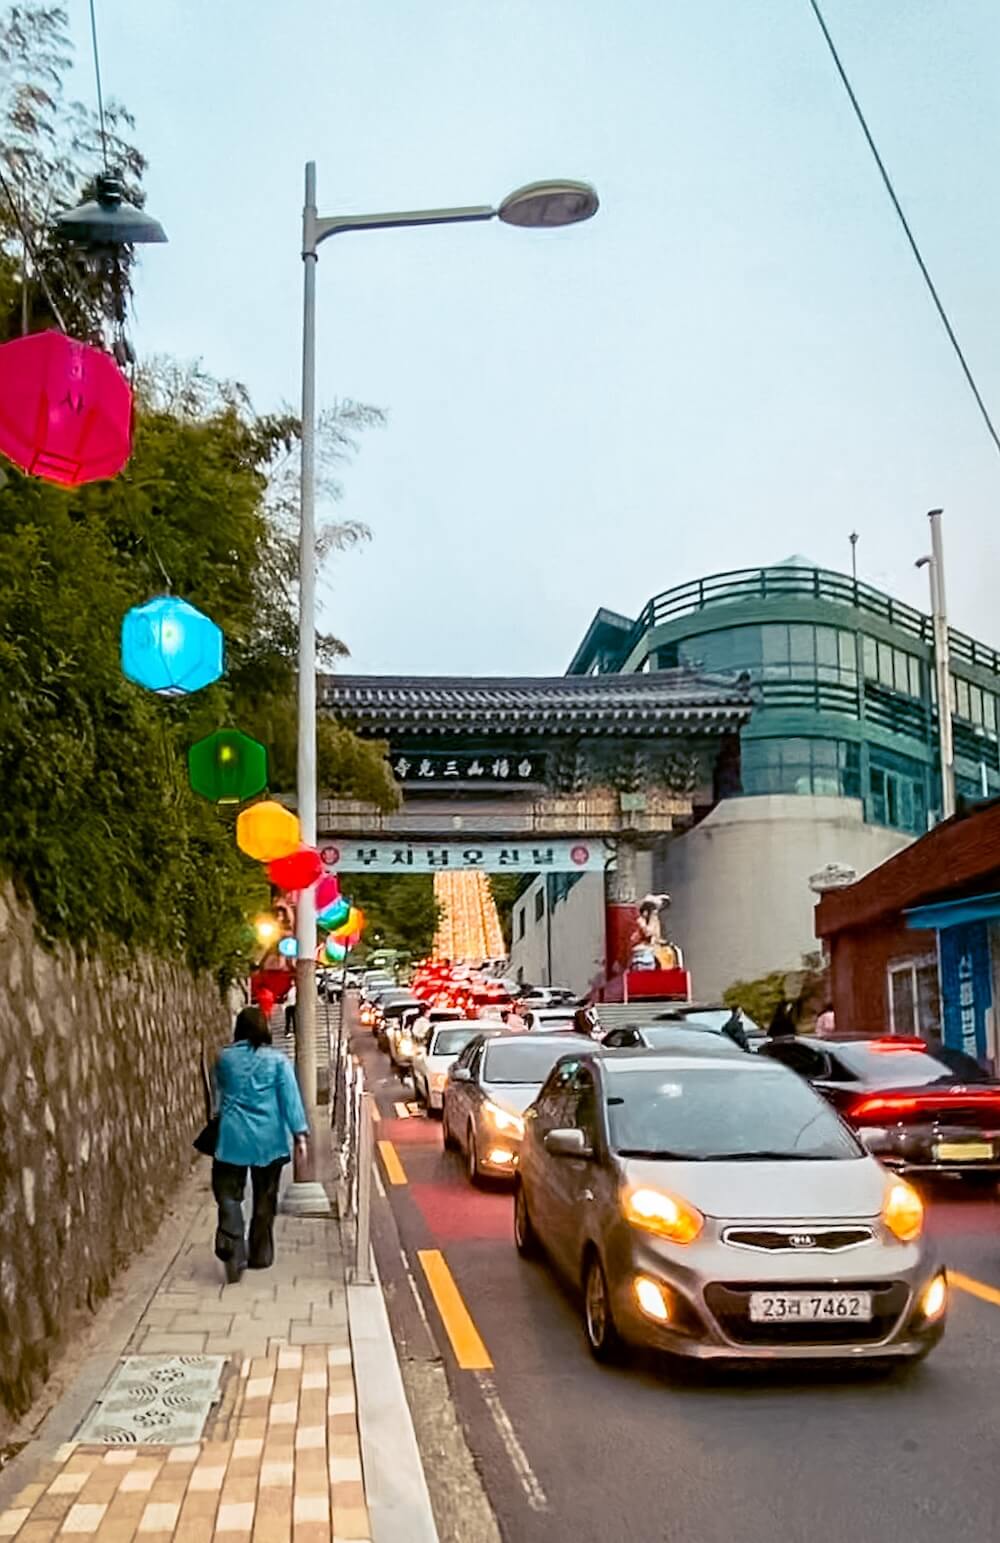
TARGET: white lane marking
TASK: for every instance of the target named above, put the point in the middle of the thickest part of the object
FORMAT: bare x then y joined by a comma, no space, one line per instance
380,1187
534,1493
416,1295
402,1111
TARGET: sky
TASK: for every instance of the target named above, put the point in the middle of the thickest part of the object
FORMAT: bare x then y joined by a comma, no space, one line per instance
733,361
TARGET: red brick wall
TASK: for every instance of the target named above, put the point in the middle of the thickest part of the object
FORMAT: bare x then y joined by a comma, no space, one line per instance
859,961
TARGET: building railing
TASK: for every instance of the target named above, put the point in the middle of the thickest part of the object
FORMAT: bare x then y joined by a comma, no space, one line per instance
823,584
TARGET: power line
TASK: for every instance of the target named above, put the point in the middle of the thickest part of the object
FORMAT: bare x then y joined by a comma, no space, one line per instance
97,76
914,248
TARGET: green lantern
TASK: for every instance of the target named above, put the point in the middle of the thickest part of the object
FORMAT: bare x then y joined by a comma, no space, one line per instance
226,767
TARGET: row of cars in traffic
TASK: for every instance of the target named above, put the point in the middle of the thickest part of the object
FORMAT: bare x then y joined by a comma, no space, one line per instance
712,1200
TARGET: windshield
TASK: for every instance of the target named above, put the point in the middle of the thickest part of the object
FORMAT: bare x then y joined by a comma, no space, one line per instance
452,1041
551,1023
903,1068
708,1114
522,1061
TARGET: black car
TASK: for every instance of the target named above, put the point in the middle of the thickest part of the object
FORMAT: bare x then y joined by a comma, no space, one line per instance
917,1107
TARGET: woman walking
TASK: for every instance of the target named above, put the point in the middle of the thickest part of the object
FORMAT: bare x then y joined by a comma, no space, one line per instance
259,1111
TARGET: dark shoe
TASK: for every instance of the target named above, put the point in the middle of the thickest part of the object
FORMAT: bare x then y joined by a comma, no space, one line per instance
234,1270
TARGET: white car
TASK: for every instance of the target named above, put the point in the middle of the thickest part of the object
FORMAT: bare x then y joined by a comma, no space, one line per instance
549,1020
433,1057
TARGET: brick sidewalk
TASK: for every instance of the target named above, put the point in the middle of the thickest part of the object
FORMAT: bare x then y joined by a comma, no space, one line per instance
281,1459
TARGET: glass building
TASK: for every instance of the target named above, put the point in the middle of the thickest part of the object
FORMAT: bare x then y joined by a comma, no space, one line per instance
847,701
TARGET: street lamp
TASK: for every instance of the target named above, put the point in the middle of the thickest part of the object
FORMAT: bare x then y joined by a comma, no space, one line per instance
538,206
942,663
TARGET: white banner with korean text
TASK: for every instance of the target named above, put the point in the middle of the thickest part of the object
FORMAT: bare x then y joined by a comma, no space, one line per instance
535,855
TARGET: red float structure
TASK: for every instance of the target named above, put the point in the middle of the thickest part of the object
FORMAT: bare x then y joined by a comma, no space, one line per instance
65,409
296,872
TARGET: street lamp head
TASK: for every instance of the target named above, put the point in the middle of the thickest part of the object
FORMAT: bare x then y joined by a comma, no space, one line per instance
108,220
544,205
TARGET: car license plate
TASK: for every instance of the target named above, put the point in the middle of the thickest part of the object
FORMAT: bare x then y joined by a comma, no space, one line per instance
810,1306
963,1151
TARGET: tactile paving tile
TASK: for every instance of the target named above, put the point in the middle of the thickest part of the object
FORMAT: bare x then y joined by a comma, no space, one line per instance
155,1399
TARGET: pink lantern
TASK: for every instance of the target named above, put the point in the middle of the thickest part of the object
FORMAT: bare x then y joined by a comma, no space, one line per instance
65,409
327,891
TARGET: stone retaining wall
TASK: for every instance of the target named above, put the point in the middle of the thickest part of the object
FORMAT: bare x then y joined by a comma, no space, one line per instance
100,1097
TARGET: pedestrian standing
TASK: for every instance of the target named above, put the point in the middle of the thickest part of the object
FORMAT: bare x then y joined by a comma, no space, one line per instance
782,1025
735,1029
826,1023
260,1111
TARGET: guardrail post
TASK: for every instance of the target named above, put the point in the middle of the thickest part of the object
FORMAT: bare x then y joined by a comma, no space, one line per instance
366,1159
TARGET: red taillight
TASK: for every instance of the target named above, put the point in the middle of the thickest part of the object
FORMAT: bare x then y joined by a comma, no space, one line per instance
898,1042
891,1105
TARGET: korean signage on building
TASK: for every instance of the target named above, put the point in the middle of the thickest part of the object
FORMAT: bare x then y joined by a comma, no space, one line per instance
496,767
531,856
966,986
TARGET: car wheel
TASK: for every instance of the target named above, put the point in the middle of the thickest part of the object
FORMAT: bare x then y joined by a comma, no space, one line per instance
525,1236
472,1157
450,1144
603,1339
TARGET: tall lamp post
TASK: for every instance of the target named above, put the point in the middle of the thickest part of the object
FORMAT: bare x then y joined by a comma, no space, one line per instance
537,206
942,663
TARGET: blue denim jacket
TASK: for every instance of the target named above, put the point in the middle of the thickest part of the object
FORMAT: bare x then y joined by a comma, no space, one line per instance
259,1106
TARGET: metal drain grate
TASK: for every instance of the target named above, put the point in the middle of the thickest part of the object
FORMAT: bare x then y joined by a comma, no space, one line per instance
158,1400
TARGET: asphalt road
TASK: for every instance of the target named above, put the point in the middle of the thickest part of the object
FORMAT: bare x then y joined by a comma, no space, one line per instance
571,1452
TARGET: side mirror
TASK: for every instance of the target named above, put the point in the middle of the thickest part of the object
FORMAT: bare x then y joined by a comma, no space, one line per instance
567,1143
461,1074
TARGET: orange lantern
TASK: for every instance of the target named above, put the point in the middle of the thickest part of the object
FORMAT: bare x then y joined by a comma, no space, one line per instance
267,831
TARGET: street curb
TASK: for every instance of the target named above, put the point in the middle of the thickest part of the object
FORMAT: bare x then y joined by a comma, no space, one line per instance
399,1504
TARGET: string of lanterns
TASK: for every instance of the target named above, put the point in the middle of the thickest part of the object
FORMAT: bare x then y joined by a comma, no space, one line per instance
66,417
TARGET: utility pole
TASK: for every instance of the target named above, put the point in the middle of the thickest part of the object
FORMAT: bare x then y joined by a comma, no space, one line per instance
942,663
853,538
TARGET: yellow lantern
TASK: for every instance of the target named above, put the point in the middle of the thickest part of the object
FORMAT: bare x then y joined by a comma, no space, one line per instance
267,831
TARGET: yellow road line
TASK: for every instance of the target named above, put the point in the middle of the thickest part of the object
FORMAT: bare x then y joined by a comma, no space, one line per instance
470,1352
394,1171
975,1288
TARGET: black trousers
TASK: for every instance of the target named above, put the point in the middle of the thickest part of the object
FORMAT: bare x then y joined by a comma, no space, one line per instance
229,1181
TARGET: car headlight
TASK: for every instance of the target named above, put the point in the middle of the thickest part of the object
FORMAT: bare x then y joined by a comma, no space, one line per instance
653,1210
903,1211
504,1120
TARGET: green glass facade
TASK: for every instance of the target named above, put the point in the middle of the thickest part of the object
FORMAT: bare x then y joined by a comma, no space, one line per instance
844,674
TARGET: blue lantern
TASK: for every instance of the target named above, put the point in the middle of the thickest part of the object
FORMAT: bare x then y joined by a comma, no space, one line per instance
334,914
289,947
170,647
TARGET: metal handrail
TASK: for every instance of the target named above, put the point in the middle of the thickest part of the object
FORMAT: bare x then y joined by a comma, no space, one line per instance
738,584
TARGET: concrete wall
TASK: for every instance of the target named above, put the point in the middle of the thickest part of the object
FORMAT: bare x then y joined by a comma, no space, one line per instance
577,932
739,881
100,1097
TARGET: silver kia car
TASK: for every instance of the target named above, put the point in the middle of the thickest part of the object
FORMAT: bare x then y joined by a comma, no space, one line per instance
715,1206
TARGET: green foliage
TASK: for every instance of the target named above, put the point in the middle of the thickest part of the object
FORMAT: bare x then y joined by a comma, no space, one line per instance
399,908
806,989
98,825
758,998
50,152
97,822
